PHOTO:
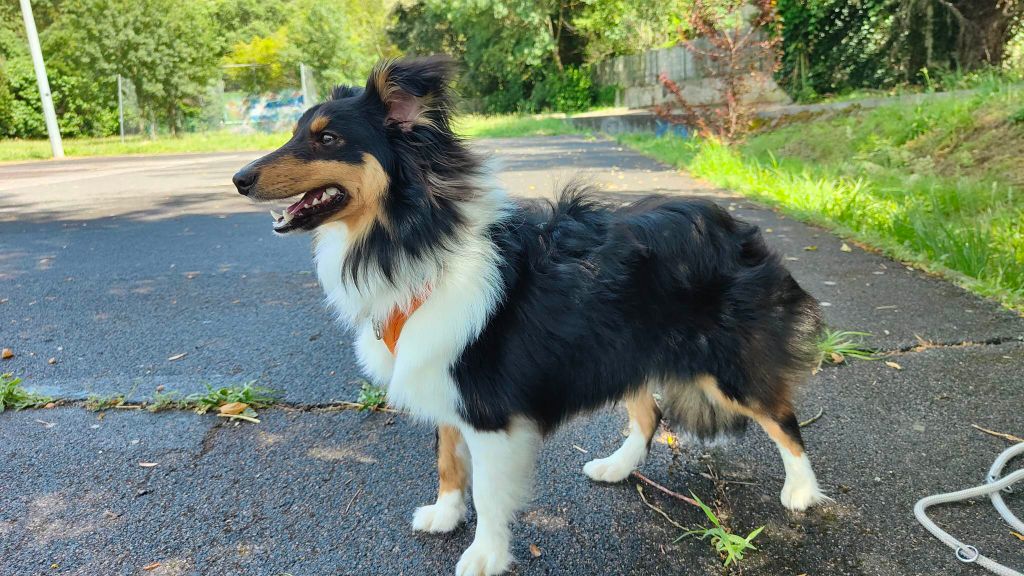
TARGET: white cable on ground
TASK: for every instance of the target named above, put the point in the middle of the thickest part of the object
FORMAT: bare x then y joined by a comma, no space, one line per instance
993,486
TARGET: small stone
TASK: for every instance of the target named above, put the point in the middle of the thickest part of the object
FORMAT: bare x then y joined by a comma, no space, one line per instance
7,354
51,361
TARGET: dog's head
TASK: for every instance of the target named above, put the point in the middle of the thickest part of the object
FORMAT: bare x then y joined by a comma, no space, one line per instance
345,154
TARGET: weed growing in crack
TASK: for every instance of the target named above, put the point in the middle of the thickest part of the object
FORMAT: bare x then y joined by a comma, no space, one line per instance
835,346
371,397
15,397
248,394
730,547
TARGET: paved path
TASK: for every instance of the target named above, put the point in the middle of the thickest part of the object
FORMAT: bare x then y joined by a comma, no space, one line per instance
114,266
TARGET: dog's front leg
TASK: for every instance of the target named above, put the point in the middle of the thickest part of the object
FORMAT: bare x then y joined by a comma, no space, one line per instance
453,478
503,465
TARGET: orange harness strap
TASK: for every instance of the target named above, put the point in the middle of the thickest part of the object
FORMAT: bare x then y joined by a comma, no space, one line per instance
392,328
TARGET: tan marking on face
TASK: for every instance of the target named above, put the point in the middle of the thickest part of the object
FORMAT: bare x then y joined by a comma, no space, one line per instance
644,411
318,124
769,424
365,184
366,199
451,467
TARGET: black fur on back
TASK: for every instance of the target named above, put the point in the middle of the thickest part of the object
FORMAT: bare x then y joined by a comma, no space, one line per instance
599,300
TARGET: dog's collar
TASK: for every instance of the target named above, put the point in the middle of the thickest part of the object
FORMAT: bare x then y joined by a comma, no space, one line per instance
390,329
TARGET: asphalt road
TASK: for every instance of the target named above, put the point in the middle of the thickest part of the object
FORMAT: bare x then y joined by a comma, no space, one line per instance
113,266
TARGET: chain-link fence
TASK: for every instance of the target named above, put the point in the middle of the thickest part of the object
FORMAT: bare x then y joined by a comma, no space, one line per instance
240,100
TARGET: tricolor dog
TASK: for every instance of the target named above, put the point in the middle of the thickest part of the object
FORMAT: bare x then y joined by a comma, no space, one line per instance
497,319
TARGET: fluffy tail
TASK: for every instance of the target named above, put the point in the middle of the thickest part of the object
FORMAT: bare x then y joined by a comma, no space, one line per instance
690,410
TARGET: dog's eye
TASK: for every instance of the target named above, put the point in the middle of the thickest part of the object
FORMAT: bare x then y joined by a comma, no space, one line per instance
327,138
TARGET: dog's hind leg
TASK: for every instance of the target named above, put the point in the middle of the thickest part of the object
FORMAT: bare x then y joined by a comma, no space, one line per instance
453,476
644,416
800,490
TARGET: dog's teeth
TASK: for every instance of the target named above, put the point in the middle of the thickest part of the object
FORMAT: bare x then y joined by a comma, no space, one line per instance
288,216
275,215
333,191
315,202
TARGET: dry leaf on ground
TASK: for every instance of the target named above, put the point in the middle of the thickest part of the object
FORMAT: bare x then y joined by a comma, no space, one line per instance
893,365
151,566
534,550
233,408
148,464
845,248
177,357
7,354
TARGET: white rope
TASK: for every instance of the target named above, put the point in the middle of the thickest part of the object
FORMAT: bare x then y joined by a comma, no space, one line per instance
992,488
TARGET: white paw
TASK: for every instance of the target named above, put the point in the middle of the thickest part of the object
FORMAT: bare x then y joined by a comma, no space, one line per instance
801,495
444,516
484,559
610,469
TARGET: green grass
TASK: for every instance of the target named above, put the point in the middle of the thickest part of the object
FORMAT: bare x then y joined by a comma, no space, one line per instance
221,141
98,403
511,126
937,184
13,395
730,547
248,393
836,346
470,126
371,397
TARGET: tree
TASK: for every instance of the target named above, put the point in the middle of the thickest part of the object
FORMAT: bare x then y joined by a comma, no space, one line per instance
340,41
733,41
506,47
835,45
164,48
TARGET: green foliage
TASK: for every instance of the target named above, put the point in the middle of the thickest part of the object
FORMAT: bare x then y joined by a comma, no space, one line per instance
835,346
371,397
98,403
615,27
257,65
730,547
835,46
248,393
937,184
14,396
571,90
1018,116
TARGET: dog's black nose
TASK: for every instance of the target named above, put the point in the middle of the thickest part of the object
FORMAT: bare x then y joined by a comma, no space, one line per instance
244,180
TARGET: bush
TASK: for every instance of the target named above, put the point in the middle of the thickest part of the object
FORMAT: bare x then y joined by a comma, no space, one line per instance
570,90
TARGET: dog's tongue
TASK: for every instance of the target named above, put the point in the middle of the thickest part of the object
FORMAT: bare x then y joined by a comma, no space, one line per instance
308,197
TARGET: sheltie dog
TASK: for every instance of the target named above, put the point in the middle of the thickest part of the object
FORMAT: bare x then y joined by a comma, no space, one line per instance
497,319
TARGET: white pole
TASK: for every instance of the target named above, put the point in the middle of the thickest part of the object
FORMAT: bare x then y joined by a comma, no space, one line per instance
305,89
44,85
120,108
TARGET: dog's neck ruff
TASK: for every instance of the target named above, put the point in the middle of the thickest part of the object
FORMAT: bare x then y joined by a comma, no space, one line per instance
389,330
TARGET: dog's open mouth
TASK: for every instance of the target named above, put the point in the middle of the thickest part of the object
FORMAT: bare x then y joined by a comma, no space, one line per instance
310,209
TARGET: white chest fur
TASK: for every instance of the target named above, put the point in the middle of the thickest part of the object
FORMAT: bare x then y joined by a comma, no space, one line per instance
462,295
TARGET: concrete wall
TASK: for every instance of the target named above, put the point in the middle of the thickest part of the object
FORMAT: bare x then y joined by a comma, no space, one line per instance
636,77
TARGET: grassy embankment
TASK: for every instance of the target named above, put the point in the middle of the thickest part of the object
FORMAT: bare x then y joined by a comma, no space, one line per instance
940,183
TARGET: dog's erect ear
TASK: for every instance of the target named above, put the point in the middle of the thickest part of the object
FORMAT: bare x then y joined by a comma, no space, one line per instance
342,91
414,91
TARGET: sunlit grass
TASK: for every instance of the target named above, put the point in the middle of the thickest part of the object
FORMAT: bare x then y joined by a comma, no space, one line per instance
219,141
470,126
512,126
923,184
